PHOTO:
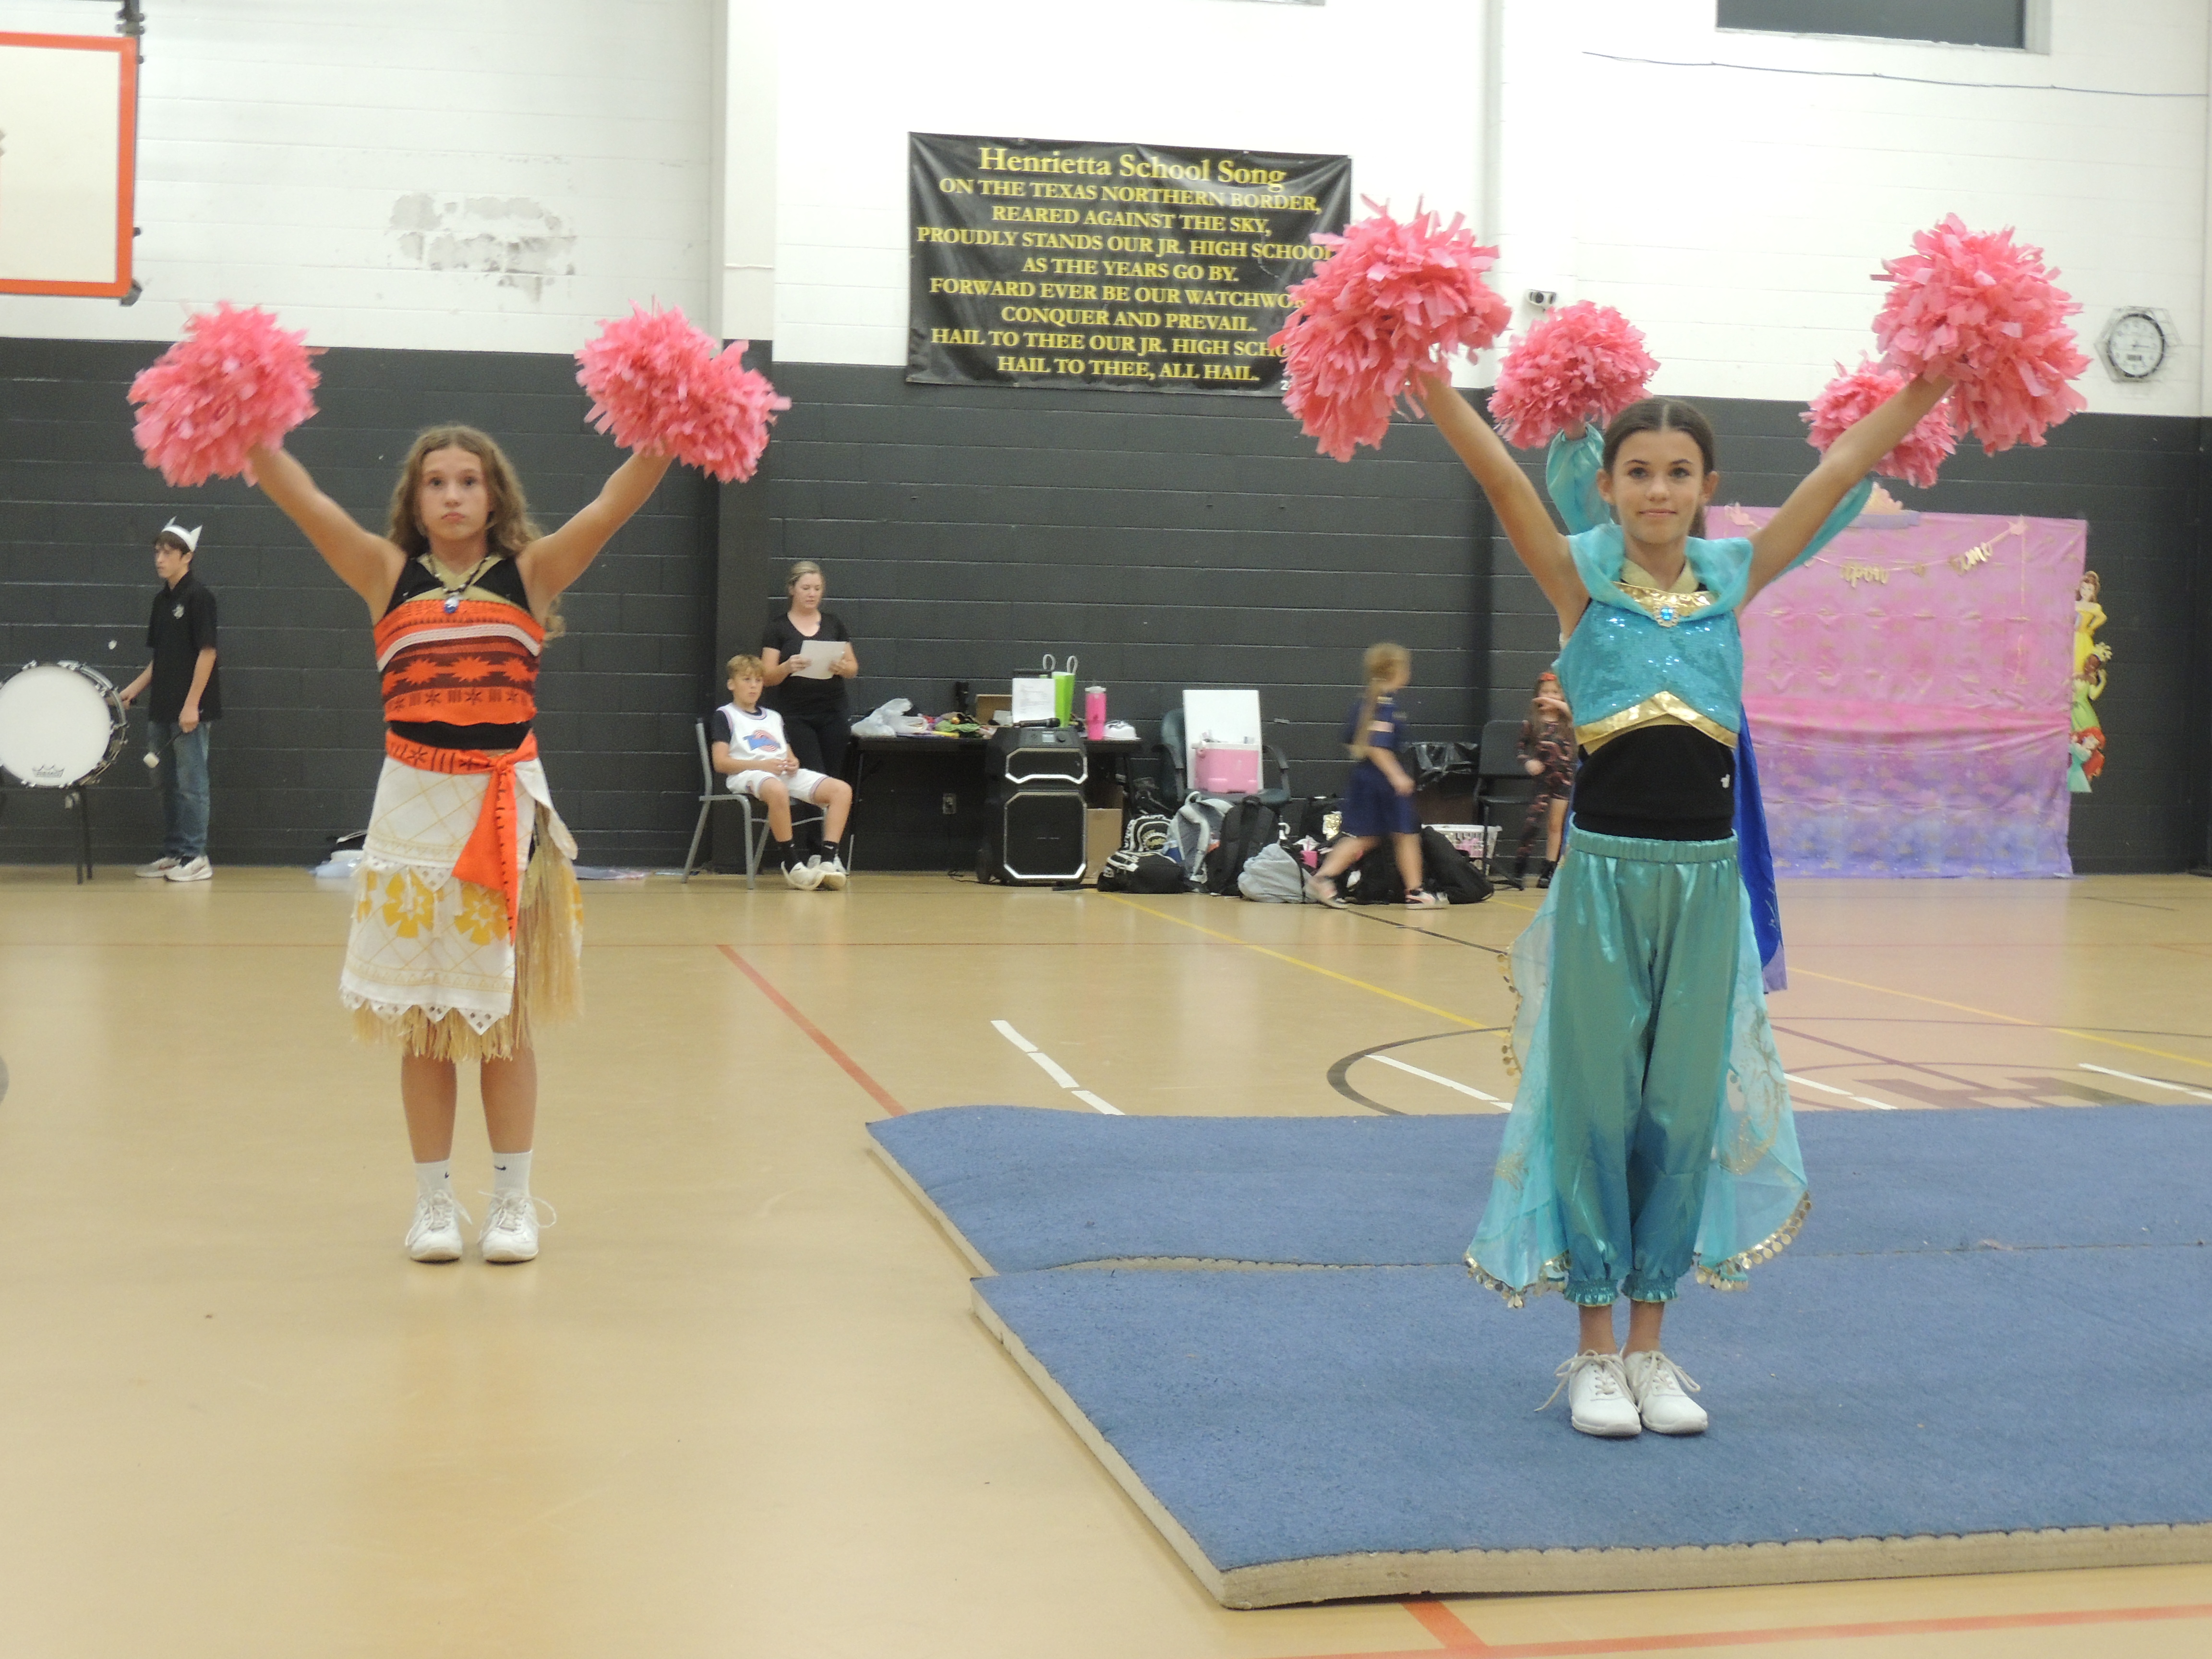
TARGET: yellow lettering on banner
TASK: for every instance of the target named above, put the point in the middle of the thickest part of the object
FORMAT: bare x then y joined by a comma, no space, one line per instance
1073,241
1036,341
1233,175
956,337
1249,226
1279,203
1119,219
1054,316
1113,291
1229,372
1186,346
1178,370
996,158
986,285
957,186
1136,319
1048,190
1115,368
1112,343
966,238
1003,187
1035,264
1276,251
1022,366
1213,248
1069,291
1199,322
1201,172
1134,267
1036,215
1160,296
1255,348
1202,221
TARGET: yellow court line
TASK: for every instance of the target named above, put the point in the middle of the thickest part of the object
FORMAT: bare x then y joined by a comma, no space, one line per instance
1311,967
2009,1019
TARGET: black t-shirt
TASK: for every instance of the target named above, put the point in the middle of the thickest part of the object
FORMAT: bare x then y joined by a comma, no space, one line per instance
181,627
1659,783
796,695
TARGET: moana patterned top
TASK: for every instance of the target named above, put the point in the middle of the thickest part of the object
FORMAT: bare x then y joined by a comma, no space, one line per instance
460,656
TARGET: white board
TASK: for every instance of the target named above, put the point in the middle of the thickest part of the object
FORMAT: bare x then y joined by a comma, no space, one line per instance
68,114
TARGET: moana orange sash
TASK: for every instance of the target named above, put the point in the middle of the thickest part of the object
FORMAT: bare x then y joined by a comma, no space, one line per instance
493,856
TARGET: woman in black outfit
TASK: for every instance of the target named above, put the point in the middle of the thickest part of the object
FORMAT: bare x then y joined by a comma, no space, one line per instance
814,719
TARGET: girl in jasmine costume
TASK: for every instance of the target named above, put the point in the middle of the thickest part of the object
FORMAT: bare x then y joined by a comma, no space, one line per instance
1629,1163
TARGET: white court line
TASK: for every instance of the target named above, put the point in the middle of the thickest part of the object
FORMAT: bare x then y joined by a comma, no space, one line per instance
1830,1088
2155,1083
1447,1082
1054,1070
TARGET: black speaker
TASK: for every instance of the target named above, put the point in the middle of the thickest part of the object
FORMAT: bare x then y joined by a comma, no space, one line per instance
1037,753
1033,835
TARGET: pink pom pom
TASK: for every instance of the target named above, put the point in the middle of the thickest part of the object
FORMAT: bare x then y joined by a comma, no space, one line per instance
1582,362
1394,300
235,380
658,383
1850,396
1972,306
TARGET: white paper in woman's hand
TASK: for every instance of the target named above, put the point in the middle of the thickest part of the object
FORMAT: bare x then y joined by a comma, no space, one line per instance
818,658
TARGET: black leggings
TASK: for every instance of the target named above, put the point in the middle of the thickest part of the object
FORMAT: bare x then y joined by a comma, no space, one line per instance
818,736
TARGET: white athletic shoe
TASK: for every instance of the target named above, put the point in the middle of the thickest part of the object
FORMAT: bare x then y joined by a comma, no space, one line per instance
437,1233
833,874
510,1229
805,877
1658,1383
159,868
197,869
1598,1401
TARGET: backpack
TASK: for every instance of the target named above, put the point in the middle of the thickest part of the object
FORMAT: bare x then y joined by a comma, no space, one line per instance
1148,832
1273,877
1246,827
1141,872
1192,833
1444,869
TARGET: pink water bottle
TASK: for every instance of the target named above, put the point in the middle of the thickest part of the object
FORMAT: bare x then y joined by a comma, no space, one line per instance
1094,713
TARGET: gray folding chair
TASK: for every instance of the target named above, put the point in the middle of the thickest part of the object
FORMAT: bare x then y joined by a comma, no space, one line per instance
1500,781
713,793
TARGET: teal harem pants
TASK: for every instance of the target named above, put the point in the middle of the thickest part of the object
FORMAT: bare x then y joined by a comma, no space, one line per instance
1651,1135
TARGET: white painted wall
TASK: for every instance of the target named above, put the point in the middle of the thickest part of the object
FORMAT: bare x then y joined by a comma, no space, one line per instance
499,174
1397,84
449,174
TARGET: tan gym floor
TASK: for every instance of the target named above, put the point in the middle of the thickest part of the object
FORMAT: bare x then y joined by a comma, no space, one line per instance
740,1405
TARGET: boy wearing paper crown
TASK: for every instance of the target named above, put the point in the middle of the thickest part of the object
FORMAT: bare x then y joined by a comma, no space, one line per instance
187,692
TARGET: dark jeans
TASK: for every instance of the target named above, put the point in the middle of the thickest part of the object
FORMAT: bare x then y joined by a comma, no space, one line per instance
183,777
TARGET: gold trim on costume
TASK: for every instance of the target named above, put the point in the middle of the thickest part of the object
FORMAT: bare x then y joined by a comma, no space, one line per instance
1730,1275
1666,706
1664,607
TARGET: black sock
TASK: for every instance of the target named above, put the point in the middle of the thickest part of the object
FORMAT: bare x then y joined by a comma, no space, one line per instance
788,854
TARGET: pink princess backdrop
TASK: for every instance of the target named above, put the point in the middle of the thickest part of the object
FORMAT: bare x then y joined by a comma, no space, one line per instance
1910,692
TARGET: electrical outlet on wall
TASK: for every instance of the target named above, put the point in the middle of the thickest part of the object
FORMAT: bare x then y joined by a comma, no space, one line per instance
949,805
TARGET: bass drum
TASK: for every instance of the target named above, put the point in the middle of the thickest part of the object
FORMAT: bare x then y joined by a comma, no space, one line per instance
61,725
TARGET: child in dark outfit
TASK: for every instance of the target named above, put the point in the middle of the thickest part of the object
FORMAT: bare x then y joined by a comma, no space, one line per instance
1547,755
1379,799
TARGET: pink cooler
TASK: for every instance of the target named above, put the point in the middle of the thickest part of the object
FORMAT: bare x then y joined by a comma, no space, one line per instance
1225,769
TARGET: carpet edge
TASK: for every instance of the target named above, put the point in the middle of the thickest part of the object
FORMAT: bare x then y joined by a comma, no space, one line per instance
898,1171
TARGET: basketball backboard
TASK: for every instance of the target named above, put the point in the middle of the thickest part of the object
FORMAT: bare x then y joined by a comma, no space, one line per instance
68,158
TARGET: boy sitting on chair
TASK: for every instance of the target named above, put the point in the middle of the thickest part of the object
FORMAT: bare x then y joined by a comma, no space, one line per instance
749,748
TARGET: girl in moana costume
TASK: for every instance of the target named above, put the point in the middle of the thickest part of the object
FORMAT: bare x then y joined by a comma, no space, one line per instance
466,924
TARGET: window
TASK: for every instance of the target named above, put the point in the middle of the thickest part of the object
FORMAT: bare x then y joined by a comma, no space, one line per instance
1959,22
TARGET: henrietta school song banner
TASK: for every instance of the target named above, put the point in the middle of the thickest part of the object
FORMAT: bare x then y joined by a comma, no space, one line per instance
1125,266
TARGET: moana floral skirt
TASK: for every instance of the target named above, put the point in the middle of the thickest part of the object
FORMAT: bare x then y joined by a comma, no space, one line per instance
430,963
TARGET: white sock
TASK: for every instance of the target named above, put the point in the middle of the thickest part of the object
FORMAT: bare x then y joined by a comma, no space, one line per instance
510,1172
434,1178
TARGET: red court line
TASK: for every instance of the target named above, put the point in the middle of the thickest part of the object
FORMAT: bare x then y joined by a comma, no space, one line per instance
877,1092
1589,1646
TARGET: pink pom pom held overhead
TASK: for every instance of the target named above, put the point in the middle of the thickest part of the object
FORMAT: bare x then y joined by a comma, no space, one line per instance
1974,307
1584,362
1851,397
235,380
1394,301
658,383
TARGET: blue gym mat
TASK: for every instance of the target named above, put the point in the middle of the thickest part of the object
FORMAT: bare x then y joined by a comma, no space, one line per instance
1029,1187
1971,1360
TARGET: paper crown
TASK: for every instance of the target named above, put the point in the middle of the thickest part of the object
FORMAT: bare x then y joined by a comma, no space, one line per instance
190,537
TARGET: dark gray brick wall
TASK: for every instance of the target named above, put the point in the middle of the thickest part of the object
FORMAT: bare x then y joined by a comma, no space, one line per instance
1168,542
294,759
2140,481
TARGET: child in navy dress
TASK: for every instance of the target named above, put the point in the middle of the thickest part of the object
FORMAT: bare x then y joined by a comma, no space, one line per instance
1378,800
